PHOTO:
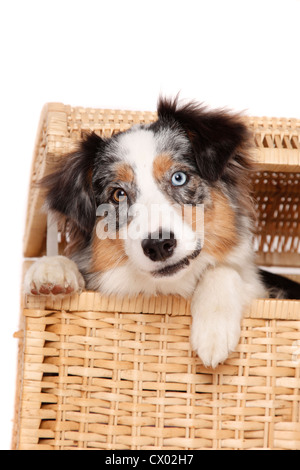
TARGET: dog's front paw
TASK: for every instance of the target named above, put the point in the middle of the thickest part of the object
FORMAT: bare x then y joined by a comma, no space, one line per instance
214,338
217,309
53,275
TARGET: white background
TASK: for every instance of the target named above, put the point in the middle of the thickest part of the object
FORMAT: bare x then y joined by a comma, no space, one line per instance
122,54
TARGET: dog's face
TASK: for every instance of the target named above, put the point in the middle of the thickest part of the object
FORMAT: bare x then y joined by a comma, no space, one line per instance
140,196
152,188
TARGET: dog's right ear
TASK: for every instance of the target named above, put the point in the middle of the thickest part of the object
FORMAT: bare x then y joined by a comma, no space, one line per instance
216,136
69,188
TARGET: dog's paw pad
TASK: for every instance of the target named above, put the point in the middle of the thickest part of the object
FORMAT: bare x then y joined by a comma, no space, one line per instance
53,276
45,289
33,289
58,289
48,289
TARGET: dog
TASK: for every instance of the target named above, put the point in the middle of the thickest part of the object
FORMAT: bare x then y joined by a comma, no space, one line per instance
162,208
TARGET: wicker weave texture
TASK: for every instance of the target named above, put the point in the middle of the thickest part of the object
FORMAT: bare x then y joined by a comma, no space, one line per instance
277,197
110,379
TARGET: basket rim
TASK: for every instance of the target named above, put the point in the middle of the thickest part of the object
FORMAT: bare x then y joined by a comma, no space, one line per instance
88,301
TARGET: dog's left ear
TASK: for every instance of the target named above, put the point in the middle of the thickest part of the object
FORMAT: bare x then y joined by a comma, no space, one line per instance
69,190
216,136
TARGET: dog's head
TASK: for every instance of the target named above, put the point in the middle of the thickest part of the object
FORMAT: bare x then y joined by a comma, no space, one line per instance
139,196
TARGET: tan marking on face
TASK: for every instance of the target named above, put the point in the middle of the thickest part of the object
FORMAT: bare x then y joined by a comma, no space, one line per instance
107,254
124,172
219,227
161,165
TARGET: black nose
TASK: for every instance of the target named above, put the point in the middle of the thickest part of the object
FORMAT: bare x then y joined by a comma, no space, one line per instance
159,248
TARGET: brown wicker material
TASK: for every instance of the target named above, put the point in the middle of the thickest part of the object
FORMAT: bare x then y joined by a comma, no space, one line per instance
110,373
119,374
278,232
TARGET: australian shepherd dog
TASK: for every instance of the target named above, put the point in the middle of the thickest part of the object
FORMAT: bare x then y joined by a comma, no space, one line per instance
162,208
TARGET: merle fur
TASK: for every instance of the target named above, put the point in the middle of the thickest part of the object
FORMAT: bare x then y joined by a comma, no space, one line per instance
215,135
70,189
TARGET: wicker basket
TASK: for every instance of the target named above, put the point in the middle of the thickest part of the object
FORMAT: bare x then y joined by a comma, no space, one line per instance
110,373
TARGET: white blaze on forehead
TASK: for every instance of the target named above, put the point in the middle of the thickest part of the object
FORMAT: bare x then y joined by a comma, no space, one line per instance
139,146
140,150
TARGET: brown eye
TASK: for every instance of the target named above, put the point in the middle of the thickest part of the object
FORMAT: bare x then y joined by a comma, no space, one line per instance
119,195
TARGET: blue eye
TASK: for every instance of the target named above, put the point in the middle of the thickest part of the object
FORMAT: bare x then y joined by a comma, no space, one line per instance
179,178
